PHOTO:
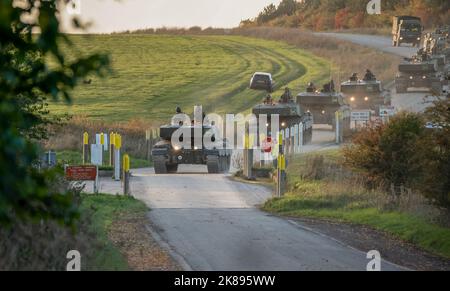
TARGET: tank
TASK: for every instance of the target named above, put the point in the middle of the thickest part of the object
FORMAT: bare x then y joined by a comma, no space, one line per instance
419,71
365,94
322,105
289,114
167,157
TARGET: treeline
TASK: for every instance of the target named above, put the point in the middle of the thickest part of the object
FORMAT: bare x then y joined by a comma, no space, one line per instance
348,14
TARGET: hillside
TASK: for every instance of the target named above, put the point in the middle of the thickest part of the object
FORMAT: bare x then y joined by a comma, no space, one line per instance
348,14
153,74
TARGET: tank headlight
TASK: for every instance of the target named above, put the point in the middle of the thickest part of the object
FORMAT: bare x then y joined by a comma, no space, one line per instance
283,124
418,38
177,148
401,38
323,111
352,99
267,125
424,77
411,77
195,148
366,99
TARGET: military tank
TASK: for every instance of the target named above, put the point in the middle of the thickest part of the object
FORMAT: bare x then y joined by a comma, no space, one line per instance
365,94
323,104
419,71
167,157
289,114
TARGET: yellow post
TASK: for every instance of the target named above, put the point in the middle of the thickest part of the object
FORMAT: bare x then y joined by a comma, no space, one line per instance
126,175
85,148
126,163
102,138
118,141
111,148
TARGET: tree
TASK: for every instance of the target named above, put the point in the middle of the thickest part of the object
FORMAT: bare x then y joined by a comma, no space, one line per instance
25,83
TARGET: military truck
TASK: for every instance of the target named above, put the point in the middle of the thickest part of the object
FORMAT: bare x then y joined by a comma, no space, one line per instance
367,93
167,157
406,29
419,71
289,114
322,105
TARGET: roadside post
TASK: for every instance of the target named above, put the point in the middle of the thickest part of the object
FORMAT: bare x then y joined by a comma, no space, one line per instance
117,147
112,141
148,141
248,157
338,127
281,172
85,148
126,175
301,137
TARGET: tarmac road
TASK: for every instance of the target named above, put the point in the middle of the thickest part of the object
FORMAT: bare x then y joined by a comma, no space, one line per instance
210,222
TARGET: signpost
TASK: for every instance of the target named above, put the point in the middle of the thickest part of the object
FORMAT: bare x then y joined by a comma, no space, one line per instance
386,112
117,147
85,148
83,173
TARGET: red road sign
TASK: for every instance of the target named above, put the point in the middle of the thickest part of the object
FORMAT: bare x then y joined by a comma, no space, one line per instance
81,173
267,145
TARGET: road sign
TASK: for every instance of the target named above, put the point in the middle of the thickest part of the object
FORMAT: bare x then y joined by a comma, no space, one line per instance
387,111
363,115
81,173
267,145
97,154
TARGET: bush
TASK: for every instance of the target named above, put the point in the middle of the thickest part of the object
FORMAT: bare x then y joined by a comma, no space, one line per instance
386,153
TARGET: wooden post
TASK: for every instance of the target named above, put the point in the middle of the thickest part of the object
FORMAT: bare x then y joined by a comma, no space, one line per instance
85,148
112,141
126,175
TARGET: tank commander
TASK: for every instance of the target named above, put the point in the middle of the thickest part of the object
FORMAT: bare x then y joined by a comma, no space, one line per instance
287,96
369,76
354,77
268,100
311,88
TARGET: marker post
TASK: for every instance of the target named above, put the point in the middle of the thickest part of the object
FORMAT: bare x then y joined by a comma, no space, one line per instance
85,148
117,147
126,175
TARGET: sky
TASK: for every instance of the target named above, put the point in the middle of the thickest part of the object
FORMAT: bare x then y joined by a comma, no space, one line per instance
110,15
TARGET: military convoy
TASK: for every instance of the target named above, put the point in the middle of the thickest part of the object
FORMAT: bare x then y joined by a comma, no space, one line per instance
167,156
323,104
406,29
430,67
289,114
365,94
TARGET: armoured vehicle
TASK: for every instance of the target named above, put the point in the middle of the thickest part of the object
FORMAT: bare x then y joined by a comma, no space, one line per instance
322,104
262,81
289,114
419,71
367,93
406,29
167,157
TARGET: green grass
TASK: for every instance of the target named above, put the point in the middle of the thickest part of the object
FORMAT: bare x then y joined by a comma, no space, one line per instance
103,210
74,158
154,74
341,200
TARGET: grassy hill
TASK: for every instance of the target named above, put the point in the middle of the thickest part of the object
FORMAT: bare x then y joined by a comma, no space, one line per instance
153,74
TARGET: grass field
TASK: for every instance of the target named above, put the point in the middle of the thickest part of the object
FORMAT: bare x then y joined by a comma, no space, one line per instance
154,74
339,198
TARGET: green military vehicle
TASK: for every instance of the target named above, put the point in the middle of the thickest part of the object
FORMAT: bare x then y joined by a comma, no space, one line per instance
322,105
406,29
167,157
289,114
421,71
365,94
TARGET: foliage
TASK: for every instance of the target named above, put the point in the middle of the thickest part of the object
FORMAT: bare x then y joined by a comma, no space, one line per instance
384,152
25,80
344,14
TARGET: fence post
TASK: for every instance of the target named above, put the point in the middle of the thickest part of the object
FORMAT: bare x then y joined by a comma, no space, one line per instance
126,175
117,146
85,148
